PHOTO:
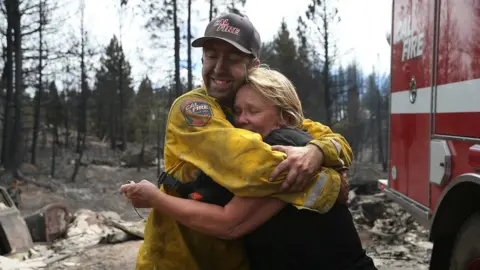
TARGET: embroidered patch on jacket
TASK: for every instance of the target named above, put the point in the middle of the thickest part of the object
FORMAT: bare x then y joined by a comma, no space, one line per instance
196,113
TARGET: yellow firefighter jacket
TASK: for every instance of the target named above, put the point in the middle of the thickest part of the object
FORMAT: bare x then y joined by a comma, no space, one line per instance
199,137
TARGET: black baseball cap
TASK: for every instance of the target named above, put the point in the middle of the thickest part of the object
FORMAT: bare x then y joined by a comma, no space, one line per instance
234,29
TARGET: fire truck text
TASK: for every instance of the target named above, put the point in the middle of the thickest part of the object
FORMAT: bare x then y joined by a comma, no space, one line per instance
413,41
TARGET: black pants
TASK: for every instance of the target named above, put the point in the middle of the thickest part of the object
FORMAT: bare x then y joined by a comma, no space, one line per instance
363,263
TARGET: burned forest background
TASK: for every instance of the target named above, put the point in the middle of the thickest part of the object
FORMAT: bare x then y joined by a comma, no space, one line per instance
69,102
78,118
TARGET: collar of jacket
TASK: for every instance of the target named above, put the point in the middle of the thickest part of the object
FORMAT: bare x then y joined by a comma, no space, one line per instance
228,111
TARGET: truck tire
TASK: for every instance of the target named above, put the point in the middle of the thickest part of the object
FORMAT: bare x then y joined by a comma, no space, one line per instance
466,248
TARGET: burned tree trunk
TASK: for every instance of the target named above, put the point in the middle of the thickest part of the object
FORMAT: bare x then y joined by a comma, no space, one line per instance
7,126
17,141
189,48
38,96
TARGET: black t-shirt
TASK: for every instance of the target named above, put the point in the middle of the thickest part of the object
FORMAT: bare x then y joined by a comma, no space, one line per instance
297,239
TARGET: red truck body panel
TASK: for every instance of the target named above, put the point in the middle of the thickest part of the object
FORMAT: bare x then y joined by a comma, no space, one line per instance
435,55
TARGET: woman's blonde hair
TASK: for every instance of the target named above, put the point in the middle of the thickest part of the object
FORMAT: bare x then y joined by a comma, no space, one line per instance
279,90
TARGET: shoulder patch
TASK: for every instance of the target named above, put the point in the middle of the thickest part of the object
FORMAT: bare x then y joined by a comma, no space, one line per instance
197,113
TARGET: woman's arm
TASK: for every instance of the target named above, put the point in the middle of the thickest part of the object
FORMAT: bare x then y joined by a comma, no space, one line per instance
239,217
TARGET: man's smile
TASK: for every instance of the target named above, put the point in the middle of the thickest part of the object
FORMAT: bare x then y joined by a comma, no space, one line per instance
221,83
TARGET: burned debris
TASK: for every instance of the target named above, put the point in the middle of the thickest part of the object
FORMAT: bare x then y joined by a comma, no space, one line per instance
85,229
390,234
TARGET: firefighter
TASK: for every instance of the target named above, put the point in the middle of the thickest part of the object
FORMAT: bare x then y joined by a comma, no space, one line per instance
200,137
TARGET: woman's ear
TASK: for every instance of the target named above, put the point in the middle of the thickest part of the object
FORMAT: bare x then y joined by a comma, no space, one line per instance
285,118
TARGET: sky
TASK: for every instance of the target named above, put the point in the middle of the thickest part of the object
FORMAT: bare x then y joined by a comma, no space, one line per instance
360,35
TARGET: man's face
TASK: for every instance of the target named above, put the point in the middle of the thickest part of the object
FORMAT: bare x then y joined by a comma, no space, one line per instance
224,70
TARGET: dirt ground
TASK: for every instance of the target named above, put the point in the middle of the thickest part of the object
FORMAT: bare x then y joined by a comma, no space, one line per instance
123,256
105,257
96,188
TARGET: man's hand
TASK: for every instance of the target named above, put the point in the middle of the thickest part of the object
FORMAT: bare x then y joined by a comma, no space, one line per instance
344,188
140,194
302,164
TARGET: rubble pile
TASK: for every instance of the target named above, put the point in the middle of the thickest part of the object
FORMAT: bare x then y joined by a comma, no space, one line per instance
96,187
87,229
392,233
91,228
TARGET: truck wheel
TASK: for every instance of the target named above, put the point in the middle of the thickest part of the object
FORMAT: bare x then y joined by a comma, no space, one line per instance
466,249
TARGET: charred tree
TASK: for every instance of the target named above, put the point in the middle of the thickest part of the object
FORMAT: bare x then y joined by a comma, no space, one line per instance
8,113
38,95
54,114
178,89
17,141
189,48
324,14
210,12
82,122
121,89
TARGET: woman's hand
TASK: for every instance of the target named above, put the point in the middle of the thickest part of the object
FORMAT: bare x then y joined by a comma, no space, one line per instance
141,194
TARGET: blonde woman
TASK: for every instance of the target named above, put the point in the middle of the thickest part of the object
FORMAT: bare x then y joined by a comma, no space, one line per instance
276,235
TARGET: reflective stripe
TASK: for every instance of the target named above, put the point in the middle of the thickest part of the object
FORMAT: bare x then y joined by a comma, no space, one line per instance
337,146
458,97
316,190
339,150
401,102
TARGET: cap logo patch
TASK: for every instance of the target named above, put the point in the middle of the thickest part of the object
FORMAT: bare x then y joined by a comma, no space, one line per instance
224,26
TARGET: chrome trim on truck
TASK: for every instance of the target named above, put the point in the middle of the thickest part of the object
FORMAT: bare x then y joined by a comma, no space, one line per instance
421,213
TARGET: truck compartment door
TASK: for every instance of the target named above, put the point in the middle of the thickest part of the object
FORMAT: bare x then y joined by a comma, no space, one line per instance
411,98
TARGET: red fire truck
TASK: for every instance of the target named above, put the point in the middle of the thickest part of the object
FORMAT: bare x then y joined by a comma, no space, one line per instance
434,164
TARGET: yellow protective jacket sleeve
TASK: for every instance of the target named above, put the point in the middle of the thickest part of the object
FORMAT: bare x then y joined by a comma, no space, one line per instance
199,137
337,152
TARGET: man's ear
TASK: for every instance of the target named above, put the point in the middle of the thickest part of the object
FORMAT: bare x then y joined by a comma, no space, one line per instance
255,62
